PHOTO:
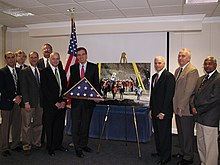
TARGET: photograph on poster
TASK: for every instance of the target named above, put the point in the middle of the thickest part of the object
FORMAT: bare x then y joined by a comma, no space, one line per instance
125,81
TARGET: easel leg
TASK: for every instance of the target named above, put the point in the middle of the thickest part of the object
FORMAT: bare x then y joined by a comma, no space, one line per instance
136,130
103,128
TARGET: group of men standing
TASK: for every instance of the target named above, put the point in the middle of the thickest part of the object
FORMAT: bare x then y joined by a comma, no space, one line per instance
31,102
192,99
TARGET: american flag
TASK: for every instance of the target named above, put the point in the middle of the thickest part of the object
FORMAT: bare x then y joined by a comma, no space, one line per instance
83,90
71,55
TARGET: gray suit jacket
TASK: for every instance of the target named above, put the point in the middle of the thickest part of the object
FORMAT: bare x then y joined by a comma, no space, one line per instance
30,91
207,101
185,85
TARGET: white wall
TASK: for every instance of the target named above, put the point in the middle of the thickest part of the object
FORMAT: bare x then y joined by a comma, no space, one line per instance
202,44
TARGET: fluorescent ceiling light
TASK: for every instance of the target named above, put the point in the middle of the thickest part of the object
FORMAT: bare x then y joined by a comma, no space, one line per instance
200,1
17,12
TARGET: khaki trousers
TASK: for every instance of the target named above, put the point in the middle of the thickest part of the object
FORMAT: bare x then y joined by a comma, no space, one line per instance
31,127
11,119
207,142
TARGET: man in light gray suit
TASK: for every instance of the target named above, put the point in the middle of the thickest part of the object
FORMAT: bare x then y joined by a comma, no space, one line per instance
186,76
205,103
31,111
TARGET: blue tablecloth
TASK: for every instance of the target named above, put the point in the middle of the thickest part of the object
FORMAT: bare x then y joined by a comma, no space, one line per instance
120,123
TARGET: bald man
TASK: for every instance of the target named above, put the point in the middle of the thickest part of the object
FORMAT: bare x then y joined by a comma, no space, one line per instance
161,109
53,86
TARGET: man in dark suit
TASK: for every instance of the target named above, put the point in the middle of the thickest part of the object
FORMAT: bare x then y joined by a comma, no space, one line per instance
9,105
53,85
205,103
20,59
186,76
161,109
81,110
44,63
45,60
31,111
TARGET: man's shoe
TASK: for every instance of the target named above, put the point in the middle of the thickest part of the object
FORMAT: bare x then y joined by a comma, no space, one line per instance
6,153
185,162
17,149
63,149
87,149
51,153
178,155
162,161
155,154
79,153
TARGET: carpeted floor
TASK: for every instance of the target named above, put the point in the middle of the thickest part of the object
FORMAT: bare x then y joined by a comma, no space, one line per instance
111,153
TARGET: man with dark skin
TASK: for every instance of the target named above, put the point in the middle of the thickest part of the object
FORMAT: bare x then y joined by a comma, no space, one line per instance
205,103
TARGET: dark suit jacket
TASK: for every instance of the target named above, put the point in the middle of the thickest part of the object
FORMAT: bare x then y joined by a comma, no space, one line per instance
207,101
91,74
7,88
30,90
161,99
50,88
41,64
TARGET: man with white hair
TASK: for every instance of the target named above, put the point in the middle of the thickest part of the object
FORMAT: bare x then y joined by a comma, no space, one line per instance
161,109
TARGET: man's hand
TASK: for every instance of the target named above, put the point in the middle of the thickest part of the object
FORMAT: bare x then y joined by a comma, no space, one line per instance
27,106
179,112
194,111
161,116
17,99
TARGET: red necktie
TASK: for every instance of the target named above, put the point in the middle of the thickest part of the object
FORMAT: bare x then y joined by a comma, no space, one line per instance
205,79
156,79
82,72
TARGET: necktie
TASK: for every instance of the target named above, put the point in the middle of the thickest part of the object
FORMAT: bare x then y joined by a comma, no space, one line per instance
58,80
181,69
156,79
205,79
47,65
82,72
21,67
37,77
14,77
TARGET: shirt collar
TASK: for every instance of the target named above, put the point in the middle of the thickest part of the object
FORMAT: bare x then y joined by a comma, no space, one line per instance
160,72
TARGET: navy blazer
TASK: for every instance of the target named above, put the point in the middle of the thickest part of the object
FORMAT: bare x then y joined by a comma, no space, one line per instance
50,88
161,98
7,88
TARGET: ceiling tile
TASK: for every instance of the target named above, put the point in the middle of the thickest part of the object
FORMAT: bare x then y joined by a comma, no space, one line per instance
23,3
172,10
41,10
84,16
106,14
130,3
166,2
57,17
137,12
97,5
33,19
64,7
51,2
199,9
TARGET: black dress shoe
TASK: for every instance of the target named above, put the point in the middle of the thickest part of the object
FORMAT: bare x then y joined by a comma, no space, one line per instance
155,154
87,149
17,149
162,161
63,149
6,153
185,162
178,155
51,153
79,153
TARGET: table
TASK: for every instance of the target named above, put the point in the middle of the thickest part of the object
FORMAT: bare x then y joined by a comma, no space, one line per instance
116,127
120,125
